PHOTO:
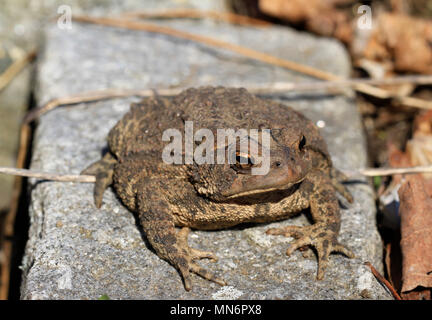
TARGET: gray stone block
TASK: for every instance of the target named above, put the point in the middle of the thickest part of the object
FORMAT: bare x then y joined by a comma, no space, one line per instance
76,251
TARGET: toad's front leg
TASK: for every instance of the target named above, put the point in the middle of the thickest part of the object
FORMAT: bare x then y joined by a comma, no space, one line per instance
325,212
169,244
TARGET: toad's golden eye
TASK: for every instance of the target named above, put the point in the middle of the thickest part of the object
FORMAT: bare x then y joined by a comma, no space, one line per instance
302,143
244,160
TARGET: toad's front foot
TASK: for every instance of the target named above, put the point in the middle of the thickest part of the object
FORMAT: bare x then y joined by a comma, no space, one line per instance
103,170
184,260
320,236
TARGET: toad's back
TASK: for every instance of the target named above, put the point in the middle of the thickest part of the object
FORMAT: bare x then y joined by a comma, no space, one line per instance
212,108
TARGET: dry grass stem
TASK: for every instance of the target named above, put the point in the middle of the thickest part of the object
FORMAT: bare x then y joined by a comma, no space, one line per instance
196,14
15,68
373,172
383,281
47,176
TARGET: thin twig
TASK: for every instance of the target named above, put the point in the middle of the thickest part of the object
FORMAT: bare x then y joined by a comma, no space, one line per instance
15,68
374,172
278,87
253,54
196,14
412,79
47,176
95,96
86,178
8,231
383,281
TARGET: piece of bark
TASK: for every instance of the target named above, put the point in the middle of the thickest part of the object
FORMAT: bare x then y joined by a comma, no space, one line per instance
416,234
415,204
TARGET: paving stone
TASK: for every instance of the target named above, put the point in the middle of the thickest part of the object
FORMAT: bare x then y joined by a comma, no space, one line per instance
76,251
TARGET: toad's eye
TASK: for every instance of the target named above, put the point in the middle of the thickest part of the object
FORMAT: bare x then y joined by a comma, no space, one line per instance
302,143
244,162
243,159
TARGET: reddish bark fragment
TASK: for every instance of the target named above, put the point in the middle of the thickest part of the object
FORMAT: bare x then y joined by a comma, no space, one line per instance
416,234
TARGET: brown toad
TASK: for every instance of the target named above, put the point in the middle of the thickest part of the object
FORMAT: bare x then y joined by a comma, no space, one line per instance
215,196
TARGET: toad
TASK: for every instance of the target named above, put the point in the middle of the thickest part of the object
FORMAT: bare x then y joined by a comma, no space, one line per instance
209,196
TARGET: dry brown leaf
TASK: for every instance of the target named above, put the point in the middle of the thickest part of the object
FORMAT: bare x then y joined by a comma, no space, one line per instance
418,294
416,234
320,16
397,159
294,11
416,239
401,39
415,211
397,39
419,148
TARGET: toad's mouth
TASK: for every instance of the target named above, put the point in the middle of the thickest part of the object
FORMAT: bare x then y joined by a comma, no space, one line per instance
278,179
262,190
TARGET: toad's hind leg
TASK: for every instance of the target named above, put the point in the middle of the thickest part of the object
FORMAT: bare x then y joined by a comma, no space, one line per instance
323,234
169,244
103,170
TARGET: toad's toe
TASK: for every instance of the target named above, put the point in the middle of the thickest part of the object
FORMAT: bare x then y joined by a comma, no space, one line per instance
185,261
324,241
